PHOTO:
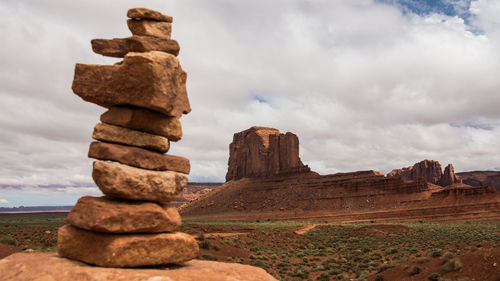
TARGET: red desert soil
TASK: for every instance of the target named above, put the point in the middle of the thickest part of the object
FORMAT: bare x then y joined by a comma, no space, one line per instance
478,265
7,250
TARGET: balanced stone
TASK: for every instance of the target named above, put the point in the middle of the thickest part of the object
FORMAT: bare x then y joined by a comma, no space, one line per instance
125,250
150,28
144,120
152,80
138,157
120,216
112,133
122,181
119,47
144,13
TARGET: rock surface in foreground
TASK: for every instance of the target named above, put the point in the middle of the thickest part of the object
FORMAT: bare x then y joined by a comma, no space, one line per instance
51,267
125,250
122,181
121,216
138,157
144,120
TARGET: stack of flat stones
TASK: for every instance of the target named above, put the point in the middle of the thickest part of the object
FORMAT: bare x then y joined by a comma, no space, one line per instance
133,225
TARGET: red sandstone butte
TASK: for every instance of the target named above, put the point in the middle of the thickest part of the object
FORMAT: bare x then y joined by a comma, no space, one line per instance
430,170
261,151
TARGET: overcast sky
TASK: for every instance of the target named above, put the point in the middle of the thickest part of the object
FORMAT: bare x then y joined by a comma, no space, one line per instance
364,84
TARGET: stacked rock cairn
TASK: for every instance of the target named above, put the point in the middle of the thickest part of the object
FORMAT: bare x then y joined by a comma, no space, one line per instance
133,225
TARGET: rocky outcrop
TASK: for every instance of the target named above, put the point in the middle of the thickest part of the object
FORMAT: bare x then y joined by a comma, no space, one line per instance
481,178
430,170
50,267
261,152
289,195
449,177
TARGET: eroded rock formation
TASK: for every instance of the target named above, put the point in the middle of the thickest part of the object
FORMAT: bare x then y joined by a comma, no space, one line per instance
412,193
430,170
481,178
261,152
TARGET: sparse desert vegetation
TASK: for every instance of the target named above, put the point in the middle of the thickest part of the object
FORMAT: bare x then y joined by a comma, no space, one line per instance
329,251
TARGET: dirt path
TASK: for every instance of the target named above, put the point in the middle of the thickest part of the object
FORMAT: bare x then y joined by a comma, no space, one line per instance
218,234
304,230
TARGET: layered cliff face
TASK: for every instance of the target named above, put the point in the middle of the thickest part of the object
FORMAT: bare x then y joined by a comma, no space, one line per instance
274,184
430,170
262,152
482,178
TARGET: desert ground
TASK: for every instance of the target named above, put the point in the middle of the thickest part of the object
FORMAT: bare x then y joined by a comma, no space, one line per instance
315,249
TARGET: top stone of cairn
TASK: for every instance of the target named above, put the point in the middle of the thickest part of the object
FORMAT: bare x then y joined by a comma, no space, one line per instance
147,14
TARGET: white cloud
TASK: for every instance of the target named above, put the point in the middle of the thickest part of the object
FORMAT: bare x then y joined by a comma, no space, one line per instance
363,85
3,201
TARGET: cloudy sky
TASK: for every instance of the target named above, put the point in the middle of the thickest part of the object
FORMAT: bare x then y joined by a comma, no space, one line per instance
365,84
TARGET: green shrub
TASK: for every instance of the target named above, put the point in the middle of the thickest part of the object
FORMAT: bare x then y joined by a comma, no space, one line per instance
448,256
385,266
379,277
209,257
9,240
301,272
258,263
453,265
323,277
423,260
204,244
434,276
435,253
415,270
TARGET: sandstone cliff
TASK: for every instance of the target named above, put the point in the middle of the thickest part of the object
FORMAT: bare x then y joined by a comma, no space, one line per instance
430,170
261,152
482,178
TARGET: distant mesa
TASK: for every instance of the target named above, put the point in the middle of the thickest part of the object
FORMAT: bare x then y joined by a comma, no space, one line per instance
267,179
262,152
430,170
482,178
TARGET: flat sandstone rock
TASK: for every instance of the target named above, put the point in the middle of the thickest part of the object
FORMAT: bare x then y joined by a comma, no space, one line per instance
144,120
122,181
153,80
112,133
119,47
125,250
144,13
51,267
138,157
103,214
153,28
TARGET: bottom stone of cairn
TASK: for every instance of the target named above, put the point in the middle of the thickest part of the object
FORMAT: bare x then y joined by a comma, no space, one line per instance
125,250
